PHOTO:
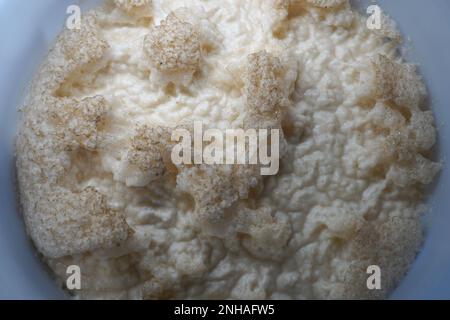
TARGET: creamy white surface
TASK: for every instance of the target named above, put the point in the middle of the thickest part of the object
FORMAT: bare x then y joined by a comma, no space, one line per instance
327,179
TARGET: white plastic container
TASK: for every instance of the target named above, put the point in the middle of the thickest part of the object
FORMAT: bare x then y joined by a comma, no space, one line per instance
27,28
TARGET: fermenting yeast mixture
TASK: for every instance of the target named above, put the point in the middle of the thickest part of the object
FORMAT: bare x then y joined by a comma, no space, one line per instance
99,191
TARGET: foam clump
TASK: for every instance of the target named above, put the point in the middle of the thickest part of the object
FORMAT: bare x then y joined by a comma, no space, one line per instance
66,223
173,49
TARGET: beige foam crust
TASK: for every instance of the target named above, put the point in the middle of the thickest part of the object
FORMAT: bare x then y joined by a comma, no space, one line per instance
263,83
146,152
216,188
174,45
64,222
68,223
398,82
174,50
353,168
